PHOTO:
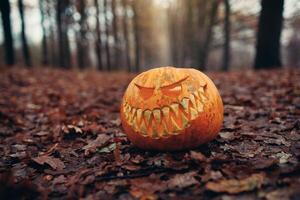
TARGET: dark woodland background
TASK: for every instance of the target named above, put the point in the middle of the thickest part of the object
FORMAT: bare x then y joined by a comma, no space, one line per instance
134,35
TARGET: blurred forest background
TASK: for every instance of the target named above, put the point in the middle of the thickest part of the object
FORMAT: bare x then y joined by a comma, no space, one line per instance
134,35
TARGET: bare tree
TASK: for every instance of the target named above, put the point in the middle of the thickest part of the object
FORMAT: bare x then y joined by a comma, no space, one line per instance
268,36
136,35
188,48
126,35
45,60
25,48
98,44
8,39
204,49
226,50
117,52
107,48
49,4
82,41
62,28
173,34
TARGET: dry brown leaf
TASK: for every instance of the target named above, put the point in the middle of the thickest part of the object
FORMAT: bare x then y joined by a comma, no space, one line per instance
54,163
142,194
234,186
198,156
75,128
92,145
183,180
117,154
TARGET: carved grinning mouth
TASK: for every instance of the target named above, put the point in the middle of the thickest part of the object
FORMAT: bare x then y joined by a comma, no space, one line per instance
168,120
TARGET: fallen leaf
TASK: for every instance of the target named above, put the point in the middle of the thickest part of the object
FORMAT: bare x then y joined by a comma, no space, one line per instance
263,163
234,186
227,135
59,180
142,194
54,163
117,155
131,167
108,148
99,142
198,156
75,128
183,180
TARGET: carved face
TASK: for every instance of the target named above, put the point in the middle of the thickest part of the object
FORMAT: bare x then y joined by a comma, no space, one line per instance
163,102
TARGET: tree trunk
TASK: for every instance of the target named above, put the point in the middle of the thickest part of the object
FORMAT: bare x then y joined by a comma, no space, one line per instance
136,36
53,52
62,28
53,60
173,37
61,53
126,36
8,39
107,48
66,44
226,50
98,44
82,42
204,9
204,50
25,48
189,34
45,60
115,34
268,36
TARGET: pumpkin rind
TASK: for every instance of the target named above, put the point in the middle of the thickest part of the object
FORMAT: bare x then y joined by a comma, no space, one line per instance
171,108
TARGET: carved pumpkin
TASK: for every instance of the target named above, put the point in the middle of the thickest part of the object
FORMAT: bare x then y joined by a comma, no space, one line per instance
171,108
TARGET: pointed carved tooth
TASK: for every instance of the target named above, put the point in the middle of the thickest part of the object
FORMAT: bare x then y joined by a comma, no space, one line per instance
185,104
143,128
166,112
192,98
157,115
165,131
129,115
133,111
129,120
175,126
184,120
125,113
201,89
200,93
199,106
196,93
139,115
194,113
175,108
147,115
154,131
126,110
134,123
124,105
204,98
132,115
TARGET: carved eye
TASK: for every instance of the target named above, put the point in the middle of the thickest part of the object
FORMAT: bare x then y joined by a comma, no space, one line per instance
172,91
145,92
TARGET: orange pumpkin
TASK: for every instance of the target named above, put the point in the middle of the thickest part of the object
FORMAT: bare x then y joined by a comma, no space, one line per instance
170,108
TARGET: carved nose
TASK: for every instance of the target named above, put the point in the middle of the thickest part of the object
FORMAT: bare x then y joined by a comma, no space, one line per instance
157,93
158,96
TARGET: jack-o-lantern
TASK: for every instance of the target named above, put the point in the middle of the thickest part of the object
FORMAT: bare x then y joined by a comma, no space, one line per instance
170,108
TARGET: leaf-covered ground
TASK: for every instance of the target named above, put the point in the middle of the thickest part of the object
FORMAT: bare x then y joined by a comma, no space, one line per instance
60,137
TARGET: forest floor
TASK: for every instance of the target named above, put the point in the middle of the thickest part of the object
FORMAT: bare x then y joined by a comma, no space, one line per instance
60,137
